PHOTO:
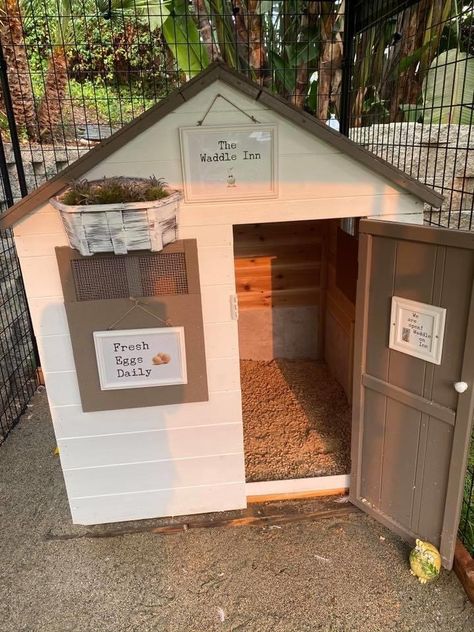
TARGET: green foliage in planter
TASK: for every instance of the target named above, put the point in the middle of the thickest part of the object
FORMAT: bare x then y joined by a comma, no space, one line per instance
113,190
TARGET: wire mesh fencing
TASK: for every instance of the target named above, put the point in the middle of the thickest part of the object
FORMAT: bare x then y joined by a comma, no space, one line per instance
79,71
397,76
466,524
412,98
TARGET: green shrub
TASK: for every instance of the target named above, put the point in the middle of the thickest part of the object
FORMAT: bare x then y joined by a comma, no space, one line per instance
122,52
112,190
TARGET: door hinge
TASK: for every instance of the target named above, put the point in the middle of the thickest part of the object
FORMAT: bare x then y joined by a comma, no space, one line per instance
234,307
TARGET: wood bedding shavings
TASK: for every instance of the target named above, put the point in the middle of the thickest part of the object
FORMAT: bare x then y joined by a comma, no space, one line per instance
297,421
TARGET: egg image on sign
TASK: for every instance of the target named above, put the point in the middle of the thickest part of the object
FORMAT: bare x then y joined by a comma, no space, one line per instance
161,358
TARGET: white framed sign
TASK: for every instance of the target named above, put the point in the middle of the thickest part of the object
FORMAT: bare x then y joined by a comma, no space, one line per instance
417,329
229,163
138,358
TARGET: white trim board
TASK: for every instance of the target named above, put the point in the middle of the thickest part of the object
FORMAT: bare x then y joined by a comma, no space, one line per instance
298,485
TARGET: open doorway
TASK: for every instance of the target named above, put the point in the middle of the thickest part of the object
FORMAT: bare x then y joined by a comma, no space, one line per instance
296,292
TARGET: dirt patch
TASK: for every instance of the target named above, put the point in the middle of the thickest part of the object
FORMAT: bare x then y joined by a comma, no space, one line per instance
296,420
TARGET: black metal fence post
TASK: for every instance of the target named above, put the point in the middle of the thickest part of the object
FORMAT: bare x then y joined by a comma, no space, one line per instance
7,100
7,187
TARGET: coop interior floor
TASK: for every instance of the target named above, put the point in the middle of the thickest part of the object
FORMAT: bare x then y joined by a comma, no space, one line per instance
297,420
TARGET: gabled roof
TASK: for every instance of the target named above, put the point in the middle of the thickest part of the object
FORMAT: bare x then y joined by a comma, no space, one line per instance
214,72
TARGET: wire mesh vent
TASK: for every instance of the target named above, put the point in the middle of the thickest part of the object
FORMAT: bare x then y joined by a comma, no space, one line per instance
102,278
99,278
163,274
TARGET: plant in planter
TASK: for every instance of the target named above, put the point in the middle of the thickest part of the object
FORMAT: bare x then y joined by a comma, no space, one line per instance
118,214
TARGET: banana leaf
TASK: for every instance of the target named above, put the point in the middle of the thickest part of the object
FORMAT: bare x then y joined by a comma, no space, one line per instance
412,112
448,89
183,39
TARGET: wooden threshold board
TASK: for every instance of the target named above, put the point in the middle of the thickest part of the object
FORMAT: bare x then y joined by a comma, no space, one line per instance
297,488
255,515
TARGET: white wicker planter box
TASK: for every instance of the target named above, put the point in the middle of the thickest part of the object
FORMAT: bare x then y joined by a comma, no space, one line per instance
120,227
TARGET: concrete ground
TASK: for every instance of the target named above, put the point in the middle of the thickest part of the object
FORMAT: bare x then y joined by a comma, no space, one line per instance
344,573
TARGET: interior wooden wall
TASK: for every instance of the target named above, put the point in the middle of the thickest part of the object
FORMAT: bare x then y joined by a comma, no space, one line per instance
279,280
340,307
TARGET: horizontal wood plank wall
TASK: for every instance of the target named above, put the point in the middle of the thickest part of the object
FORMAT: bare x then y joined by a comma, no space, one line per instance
278,264
278,277
340,319
316,181
145,462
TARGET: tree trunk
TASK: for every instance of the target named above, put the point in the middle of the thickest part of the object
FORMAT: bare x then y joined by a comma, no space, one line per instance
258,55
421,28
50,110
205,29
249,31
330,61
18,72
360,78
307,23
412,28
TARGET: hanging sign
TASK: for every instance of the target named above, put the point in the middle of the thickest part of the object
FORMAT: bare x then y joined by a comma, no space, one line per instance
228,163
417,329
137,358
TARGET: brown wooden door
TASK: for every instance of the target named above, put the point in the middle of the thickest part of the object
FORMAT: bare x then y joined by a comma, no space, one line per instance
411,428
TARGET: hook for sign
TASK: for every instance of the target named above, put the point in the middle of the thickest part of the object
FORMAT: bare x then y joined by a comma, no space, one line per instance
138,305
221,96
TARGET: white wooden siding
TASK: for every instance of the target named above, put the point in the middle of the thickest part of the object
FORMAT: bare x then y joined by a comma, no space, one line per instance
187,458
155,454
141,505
153,475
167,444
340,184
222,408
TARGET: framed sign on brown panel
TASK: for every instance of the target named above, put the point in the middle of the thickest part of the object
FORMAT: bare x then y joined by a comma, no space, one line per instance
109,292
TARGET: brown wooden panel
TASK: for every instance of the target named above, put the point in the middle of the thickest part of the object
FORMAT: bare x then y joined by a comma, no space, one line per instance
85,317
421,234
346,264
281,233
88,316
458,272
338,353
373,433
279,253
414,279
264,280
426,428
381,290
402,428
435,469
278,264
410,399
280,298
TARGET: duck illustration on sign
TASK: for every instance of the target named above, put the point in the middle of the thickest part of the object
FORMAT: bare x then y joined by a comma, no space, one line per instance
230,179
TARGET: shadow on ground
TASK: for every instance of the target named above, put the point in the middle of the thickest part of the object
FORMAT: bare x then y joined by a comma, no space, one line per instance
344,573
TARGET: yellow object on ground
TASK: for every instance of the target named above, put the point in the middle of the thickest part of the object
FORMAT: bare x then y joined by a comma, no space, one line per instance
425,562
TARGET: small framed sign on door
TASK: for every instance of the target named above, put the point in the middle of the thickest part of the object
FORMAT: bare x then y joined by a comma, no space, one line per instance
417,329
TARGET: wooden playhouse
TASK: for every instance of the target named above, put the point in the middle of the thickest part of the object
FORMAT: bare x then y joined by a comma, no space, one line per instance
257,296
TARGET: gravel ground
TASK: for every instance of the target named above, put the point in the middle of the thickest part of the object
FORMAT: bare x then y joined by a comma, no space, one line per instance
340,574
296,420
